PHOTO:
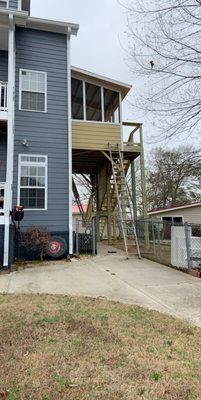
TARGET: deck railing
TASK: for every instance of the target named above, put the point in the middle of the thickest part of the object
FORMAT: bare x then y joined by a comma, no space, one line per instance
3,96
131,143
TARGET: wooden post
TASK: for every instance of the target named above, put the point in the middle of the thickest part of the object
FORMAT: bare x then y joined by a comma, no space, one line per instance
97,210
108,208
114,225
143,186
134,196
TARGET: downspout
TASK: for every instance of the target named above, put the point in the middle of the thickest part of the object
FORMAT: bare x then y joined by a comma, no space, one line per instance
70,216
10,138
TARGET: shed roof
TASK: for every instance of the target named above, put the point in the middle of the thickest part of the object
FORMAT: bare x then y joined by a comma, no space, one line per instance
172,208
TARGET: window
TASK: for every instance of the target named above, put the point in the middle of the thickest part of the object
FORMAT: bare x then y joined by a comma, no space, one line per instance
77,99
93,102
111,106
33,182
173,220
3,4
33,91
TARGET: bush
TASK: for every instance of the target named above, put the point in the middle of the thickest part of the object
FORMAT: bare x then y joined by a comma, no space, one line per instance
36,240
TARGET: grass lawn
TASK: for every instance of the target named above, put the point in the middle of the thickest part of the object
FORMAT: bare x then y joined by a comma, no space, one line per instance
57,347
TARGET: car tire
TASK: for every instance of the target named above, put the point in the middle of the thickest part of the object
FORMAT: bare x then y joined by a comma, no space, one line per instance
57,248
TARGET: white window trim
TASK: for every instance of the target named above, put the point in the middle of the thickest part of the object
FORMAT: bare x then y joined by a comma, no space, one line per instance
102,87
7,3
29,163
20,90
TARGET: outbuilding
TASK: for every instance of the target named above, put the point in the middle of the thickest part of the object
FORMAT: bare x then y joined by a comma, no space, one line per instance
190,213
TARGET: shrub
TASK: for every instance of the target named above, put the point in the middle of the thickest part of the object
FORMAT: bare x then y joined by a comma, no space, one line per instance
35,239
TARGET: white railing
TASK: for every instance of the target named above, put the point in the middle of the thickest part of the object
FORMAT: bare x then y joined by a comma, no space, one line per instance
3,96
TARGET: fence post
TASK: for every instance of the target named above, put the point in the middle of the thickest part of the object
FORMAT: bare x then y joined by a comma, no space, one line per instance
188,243
159,241
153,236
94,237
77,236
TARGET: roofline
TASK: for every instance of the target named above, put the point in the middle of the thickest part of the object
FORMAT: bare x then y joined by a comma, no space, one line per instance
20,17
101,77
164,210
66,28
52,26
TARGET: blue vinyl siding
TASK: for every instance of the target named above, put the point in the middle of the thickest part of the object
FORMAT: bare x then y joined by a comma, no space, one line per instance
13,4
3,154
3,66
46,133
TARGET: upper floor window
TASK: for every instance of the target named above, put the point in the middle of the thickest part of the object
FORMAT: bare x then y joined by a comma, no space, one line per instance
33,91
32,192
94,103
3,4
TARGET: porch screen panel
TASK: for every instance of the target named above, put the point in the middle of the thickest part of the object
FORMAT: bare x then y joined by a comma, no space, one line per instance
111,106
93,102
77,99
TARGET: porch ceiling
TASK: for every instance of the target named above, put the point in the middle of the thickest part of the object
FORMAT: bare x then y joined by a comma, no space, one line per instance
88,162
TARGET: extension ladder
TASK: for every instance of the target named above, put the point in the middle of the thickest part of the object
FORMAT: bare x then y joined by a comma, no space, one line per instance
124,203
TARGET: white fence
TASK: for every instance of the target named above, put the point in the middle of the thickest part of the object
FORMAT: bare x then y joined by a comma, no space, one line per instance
186,246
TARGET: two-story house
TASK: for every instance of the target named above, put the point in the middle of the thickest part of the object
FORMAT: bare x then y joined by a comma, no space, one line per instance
35,119
55,120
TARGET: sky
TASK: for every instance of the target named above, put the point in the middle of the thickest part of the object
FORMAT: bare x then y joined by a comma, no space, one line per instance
101,47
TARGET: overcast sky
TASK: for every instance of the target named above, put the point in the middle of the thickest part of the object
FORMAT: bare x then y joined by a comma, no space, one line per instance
100,45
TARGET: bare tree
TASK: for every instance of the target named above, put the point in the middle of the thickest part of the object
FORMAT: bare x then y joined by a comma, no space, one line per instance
84,188
165,49
173,177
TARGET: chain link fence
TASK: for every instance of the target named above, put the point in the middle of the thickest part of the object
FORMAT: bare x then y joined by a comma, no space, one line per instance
177,245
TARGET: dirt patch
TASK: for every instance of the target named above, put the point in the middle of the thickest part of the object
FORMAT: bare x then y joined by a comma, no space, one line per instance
57,347
21,264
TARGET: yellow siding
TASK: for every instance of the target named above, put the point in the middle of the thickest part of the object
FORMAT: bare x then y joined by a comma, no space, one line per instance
95,136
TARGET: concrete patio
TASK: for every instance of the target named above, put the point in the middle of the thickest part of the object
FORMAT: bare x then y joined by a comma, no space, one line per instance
133,281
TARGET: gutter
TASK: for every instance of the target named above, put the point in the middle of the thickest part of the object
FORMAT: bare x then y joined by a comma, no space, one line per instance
22,18
52,26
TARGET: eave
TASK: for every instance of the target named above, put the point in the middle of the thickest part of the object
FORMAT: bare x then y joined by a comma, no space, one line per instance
101,80
52,26
21,18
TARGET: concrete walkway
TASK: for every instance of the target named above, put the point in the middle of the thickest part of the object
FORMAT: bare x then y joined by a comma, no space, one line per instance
133,281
